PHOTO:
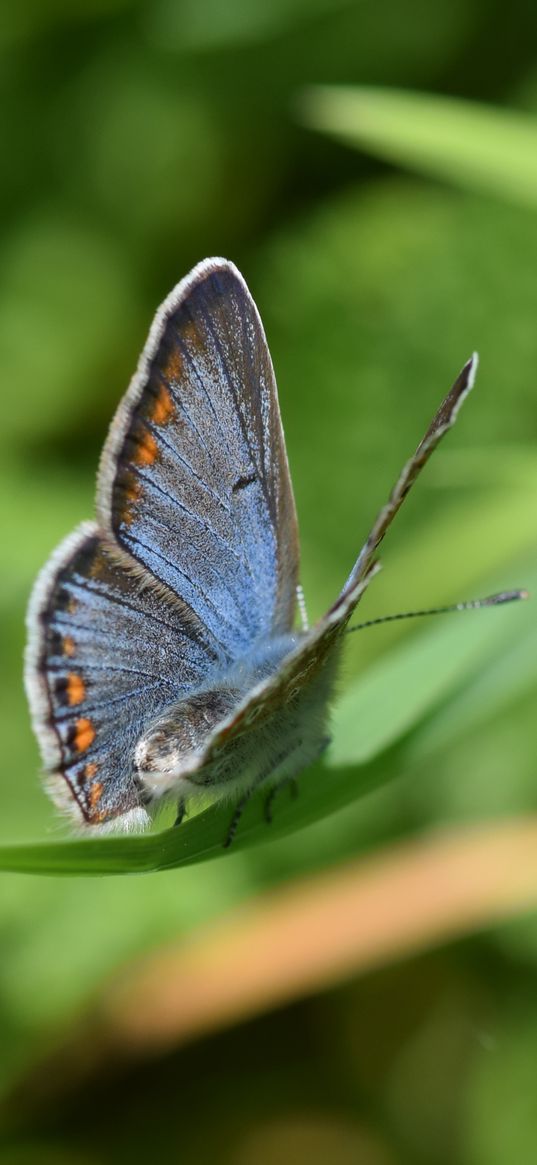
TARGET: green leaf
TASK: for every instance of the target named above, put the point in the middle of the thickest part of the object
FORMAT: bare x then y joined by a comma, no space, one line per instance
401,688
194,841
501,681
489,149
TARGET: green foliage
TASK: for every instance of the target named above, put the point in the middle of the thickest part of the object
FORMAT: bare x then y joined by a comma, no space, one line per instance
138,138
472,145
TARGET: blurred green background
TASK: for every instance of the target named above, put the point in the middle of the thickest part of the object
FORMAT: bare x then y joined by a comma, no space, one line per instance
384,238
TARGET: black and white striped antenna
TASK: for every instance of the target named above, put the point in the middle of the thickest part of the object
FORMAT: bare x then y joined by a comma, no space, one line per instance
469,605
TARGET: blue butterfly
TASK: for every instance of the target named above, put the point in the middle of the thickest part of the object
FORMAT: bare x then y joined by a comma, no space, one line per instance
163,656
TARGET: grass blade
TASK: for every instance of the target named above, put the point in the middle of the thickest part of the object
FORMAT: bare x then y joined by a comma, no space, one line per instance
476,146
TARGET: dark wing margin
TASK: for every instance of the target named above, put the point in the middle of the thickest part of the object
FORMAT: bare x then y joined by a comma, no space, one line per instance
441,423
104,654
194,481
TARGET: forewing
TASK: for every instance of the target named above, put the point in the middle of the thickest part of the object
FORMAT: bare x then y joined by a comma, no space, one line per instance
194,481
106,652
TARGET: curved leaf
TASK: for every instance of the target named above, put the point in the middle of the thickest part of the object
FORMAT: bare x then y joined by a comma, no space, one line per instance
472,145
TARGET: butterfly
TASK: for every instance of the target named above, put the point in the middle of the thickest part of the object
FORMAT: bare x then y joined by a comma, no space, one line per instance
164,657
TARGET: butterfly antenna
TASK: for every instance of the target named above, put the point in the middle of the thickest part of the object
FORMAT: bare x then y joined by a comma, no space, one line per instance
301,601
470,605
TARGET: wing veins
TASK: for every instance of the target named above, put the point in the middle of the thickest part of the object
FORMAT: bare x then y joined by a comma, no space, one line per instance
174,392
186,465
87,708
191,514
241,610
95,589
195,587
258,468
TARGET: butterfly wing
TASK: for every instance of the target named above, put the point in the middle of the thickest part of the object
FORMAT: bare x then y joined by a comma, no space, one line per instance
301,673
106,651
194,481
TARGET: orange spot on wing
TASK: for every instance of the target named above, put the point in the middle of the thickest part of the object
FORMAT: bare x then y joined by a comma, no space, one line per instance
97,566
68,645
132,489
147,450
163,408
84,734
173,368
76,688
190,334
90,770
95,793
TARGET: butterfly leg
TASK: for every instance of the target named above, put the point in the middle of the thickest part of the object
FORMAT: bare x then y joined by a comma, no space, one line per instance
259,781
181,810
238,814
291,782
269,800
261,777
